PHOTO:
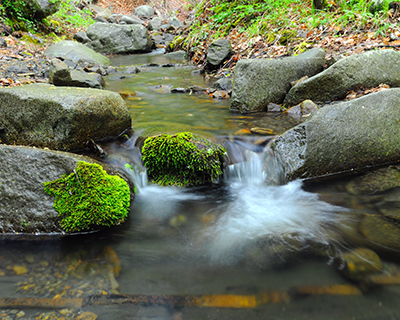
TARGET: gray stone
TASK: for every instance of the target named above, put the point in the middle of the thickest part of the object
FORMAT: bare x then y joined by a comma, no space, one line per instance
101,19
81,37
114,18
258,82
48,7
217,52
307,107
25,208
273,107
60,118
130,20
176,55
61,75
113,38
155,23
38,9
101,12
76,51
223,84
175,22
144,11
344,137
368,70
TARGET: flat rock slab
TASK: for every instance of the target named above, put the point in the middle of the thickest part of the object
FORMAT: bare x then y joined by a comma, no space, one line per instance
367,70
259,82
76,52
24,207
344,137
60,118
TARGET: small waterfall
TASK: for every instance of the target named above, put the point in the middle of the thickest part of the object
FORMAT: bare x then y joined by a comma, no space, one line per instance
253,163
253,204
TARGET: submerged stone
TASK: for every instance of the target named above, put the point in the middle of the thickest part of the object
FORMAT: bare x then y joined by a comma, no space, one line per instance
383,232
375,181
359,263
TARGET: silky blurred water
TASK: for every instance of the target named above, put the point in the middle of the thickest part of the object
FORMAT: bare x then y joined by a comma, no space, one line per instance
241,236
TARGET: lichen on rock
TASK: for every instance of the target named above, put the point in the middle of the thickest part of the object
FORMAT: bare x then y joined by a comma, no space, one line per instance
182,159
89,198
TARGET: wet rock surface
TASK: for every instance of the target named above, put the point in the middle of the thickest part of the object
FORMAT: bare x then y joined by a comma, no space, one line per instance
343,137
367,70
375,181
359,263
77,52
258,82
25,207
60,118
113,38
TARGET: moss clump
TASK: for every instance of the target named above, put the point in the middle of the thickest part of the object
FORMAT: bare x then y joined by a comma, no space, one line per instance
182,159
89,197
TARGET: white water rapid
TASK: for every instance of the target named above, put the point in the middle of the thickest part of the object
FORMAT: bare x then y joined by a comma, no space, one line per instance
244,208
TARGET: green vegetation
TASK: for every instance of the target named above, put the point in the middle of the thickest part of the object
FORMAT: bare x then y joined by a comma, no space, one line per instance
182,159
23,15
69,16
89,197
19,15
278,21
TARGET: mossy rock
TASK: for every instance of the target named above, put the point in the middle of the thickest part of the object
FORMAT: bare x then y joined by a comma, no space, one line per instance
182,159
89,198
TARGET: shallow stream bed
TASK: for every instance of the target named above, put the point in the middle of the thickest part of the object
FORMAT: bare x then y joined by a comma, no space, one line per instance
265,251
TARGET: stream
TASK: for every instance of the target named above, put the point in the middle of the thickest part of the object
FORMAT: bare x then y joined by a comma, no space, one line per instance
239,238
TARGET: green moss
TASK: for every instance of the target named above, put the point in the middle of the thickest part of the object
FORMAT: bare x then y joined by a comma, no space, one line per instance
89,197
182,159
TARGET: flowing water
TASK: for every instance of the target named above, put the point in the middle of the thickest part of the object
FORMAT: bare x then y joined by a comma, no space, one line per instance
239,238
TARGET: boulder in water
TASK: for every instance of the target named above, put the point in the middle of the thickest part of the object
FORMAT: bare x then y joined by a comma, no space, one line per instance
25,208
344,137
60,118
182,159
114,38
259,82
61,75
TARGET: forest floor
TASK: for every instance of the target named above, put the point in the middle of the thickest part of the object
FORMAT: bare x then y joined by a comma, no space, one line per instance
336,41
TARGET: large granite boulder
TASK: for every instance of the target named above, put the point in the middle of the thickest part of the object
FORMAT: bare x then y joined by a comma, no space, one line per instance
344,137
60,118
217,53
114,38
368,69
26,211
77,52
259,82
